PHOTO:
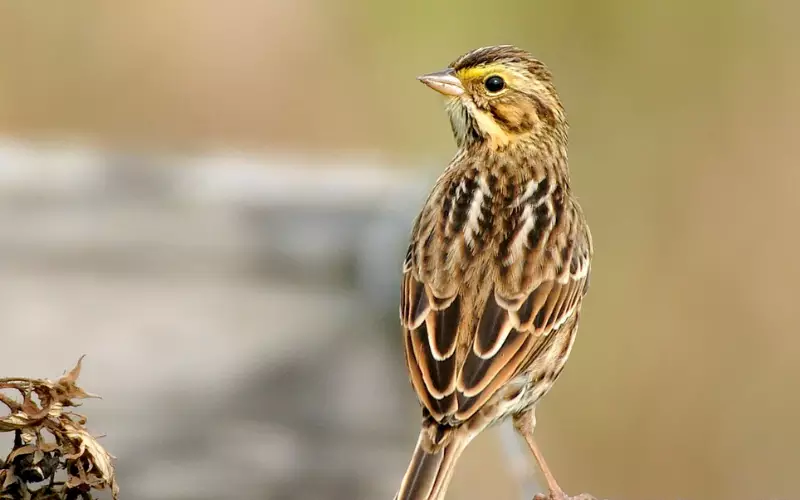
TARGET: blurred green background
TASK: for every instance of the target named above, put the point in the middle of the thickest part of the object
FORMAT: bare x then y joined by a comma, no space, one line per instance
684,147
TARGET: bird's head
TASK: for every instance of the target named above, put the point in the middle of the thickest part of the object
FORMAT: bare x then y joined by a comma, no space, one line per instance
500,96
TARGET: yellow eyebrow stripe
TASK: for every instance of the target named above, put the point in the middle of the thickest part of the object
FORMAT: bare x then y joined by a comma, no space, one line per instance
480,72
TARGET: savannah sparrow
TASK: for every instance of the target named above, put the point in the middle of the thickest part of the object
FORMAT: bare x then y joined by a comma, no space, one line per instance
497,267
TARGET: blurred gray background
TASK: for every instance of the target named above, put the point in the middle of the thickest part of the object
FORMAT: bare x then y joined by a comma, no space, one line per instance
211,200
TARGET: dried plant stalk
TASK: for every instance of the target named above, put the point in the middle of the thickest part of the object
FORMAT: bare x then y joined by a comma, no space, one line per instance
54,457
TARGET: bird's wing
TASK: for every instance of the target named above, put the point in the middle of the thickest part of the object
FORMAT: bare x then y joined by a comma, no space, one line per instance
536,291
538,273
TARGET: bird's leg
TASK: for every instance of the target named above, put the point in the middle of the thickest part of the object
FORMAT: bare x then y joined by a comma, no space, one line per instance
524,424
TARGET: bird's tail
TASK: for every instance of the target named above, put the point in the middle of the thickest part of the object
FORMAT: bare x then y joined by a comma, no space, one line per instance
429,473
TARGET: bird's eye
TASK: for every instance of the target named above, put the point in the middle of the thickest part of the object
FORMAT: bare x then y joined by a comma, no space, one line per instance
494,84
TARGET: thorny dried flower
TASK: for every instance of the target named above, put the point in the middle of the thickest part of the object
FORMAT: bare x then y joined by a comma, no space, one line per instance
49,438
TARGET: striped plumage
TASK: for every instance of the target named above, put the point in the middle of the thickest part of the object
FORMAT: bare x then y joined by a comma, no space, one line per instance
497,266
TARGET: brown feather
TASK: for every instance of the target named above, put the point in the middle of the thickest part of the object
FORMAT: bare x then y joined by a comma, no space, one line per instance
420,307
533,306
493,328
540,320
443,342
417,382
438,375
477,372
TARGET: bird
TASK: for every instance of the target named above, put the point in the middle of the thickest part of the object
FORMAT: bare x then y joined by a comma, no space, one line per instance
497,266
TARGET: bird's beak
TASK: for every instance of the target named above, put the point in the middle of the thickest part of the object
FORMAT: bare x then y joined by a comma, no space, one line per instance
444,82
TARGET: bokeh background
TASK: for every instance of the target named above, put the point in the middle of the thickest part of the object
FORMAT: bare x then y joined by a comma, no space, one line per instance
211,200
